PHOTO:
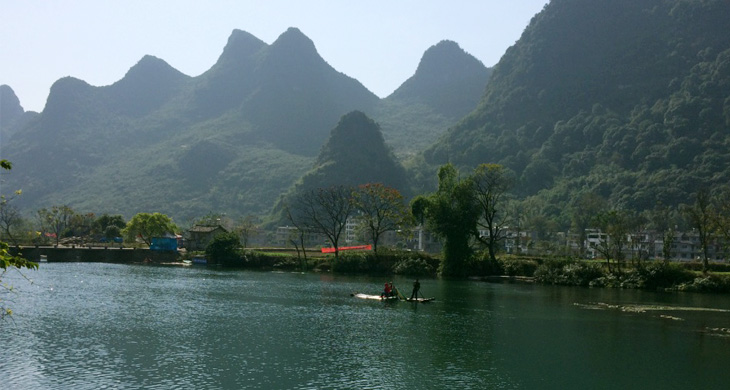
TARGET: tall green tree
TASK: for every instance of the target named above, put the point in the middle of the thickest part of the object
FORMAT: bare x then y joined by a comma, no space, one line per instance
224,249
109,226
491,183
146,226
451,213
381,210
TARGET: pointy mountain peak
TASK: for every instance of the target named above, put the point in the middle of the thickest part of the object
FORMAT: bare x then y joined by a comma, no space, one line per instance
354,154
242,43
447,59
355,134
294,41
448,79
149,68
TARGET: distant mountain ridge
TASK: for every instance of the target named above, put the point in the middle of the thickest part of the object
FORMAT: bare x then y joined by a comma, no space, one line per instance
230,140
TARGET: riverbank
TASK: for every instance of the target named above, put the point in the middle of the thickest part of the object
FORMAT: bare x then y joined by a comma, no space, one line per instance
647,275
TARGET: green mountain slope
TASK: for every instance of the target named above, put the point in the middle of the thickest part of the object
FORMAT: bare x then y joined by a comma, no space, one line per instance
627,99
354,154
230,140
447,85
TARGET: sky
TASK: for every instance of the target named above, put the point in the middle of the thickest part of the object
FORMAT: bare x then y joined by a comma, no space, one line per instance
377,42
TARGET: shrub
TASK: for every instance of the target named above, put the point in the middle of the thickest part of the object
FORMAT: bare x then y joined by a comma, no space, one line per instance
709,283
414,266
662,275
518,267
568,272
223,250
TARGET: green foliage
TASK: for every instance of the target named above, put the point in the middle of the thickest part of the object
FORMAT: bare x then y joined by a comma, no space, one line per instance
386,263
146,226
568,272
8,260
109,226
363,263
451,213
663,275
708,283
416,266
651,128
224,249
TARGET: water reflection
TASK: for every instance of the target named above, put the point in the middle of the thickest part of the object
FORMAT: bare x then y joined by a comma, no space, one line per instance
101,325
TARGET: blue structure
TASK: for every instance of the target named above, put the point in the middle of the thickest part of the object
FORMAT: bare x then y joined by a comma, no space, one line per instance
163,244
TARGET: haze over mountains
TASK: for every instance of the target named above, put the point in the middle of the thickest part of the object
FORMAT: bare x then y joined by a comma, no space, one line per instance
230,140
626,99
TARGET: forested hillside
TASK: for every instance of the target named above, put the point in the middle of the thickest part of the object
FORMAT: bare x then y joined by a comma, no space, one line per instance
231,140
626,99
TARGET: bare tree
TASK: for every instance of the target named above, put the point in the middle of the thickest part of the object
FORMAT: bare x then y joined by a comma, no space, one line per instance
324,211
10,218
699,217
297,237
491,183
246,229
55,220
381,209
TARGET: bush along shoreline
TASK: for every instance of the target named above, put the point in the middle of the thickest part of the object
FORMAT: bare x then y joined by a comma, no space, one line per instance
653,276
647,275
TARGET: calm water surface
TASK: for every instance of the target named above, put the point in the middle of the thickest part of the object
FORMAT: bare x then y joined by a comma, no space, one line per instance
95,326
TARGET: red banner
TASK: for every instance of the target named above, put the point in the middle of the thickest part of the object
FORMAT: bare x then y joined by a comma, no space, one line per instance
349,248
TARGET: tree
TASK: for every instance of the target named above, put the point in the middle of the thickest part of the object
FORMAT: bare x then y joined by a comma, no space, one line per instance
616,224
699,217
146,226
8,260
246,228
297,238
224,249
55,220
324,211
109,226
583,211
381,209
10,217
451,213
491,183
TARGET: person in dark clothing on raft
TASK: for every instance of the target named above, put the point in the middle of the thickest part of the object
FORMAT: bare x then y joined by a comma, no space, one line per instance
416,287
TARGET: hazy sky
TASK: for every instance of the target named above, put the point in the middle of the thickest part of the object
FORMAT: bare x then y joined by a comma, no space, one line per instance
378,42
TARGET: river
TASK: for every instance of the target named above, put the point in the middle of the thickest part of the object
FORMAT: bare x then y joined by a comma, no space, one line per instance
97,326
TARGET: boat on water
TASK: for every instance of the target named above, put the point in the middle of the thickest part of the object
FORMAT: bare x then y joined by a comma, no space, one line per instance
421,300
375,297
199,260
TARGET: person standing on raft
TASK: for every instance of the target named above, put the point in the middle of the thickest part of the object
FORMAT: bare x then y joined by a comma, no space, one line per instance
416,287
387,291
